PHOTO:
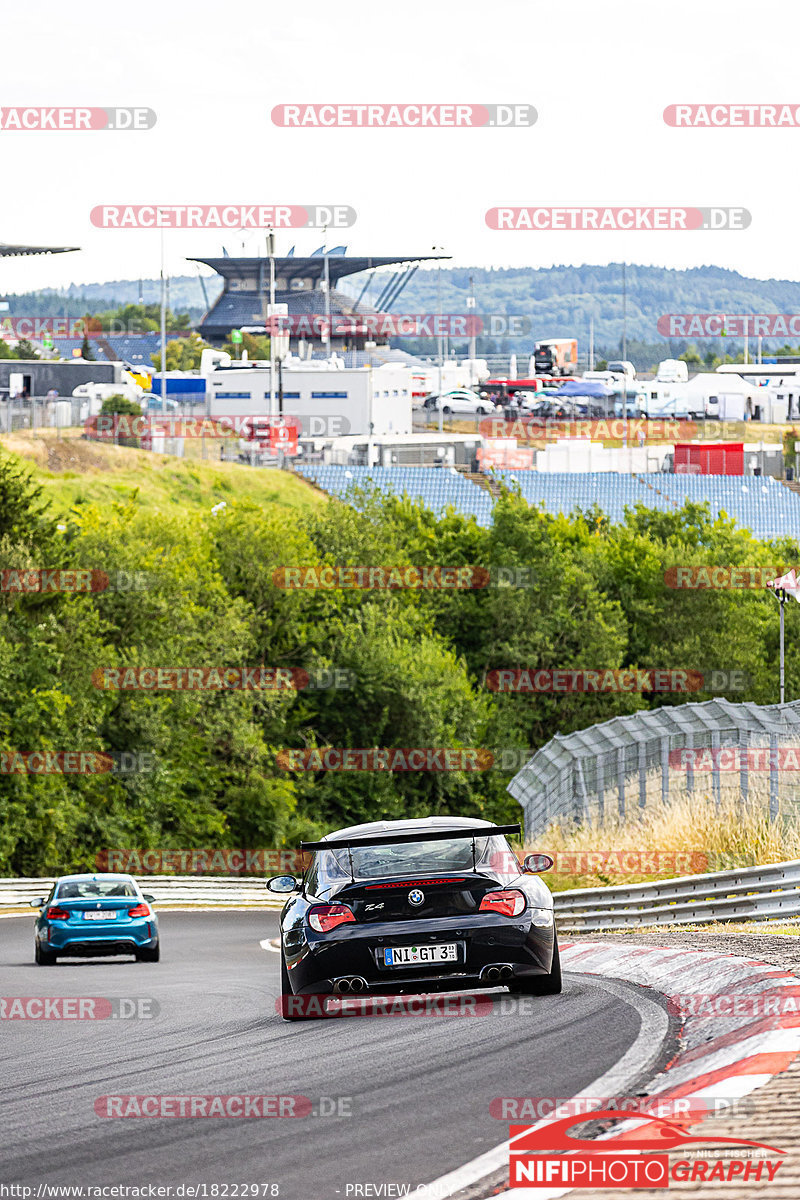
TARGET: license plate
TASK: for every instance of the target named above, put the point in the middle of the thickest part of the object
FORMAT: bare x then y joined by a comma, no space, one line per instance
104,914
409,956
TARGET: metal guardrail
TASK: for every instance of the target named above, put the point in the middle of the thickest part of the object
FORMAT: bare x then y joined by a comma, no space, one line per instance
165,889
749,893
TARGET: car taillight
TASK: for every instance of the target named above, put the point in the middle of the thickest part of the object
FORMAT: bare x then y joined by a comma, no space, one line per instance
57,914
509,902
325,917
139,910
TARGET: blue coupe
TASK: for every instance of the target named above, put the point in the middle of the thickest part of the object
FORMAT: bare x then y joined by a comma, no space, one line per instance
87,916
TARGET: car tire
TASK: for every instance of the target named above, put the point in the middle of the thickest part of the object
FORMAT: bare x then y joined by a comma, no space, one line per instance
287,1010
44,958
542,985
447,410
149,953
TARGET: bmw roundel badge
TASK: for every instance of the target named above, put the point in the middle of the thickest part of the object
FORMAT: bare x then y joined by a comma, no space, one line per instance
416,897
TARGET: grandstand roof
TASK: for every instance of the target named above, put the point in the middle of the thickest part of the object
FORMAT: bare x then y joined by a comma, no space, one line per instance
9,251
303,268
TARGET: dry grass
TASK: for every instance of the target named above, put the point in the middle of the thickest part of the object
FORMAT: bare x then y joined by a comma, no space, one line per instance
732,836
73,471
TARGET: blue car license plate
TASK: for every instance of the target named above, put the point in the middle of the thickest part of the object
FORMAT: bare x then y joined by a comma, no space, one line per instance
103,914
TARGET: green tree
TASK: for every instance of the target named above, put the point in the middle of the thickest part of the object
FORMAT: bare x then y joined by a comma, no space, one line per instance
119,405
183,354
257,347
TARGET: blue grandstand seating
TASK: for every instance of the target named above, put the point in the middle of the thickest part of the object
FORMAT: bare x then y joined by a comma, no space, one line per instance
135,348
759,503
436,487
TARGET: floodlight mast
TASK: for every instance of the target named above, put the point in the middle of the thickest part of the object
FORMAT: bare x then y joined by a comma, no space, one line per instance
780,596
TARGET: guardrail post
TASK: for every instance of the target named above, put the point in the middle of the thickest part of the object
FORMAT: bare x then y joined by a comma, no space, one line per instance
744,766
774,777
601,787
581,799
715,746
664,770
690,767
621,780
642,754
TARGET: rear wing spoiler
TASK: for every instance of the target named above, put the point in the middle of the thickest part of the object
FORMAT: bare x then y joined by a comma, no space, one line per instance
396,839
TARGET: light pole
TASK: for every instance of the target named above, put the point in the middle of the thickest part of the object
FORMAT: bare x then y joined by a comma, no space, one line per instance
472,343
163,328
271,247
437,249
327,270
782,588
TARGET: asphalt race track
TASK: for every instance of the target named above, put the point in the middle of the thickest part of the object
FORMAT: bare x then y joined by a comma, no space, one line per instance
410,1095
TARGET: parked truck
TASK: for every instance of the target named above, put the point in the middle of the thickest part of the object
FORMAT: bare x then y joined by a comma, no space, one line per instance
556,356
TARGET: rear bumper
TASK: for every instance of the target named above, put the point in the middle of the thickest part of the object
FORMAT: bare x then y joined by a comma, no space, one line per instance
88,943
318,960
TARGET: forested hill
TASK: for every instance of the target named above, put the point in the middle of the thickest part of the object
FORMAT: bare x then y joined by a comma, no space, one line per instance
559,301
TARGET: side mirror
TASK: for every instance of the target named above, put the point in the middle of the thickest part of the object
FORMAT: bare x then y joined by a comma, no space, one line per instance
40,903
150,899
534,864
282,884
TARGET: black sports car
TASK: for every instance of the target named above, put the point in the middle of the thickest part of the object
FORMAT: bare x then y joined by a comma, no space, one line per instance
436,904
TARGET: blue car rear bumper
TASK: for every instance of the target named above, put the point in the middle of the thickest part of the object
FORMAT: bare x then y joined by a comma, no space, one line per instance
82,939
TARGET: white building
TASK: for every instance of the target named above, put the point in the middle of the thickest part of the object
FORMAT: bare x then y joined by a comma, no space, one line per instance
329,400
579,455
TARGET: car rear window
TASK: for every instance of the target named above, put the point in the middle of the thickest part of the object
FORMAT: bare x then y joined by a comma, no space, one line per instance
332,868
95,889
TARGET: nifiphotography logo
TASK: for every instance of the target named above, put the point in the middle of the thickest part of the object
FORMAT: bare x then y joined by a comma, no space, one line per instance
642,1161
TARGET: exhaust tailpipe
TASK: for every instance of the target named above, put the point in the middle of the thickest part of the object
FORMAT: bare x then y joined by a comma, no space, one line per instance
357,984
341,985
497,972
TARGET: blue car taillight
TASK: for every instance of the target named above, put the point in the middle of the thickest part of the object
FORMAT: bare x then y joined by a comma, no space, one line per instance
57,914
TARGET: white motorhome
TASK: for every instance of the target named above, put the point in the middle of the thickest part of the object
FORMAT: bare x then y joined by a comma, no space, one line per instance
622,369
672,370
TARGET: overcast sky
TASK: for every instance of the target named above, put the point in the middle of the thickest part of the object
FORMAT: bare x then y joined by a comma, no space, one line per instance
599,74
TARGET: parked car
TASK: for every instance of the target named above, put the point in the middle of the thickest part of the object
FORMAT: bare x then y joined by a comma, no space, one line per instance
157,404
460,400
